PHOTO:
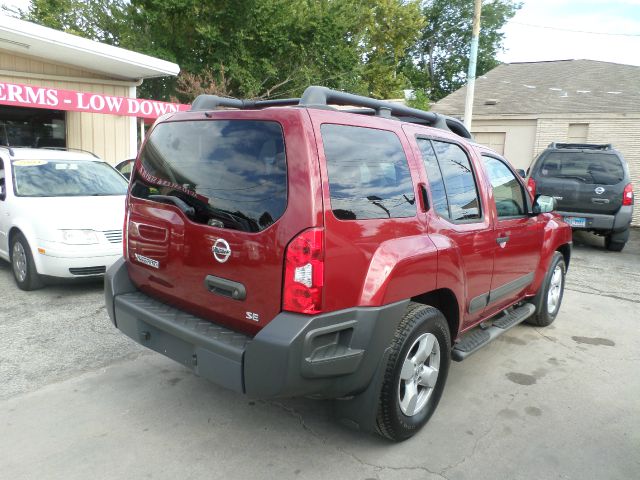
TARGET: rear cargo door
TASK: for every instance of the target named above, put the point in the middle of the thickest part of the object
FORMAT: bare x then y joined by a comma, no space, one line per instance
210,213
582,181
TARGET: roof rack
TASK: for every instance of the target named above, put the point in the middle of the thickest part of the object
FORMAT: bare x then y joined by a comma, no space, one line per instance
582,146
322,97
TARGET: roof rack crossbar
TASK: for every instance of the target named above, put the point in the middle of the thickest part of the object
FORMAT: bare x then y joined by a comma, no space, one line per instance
316,96
320,96
211,102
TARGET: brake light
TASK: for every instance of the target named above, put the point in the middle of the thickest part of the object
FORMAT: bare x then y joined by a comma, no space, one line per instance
531,186
627,195
304,273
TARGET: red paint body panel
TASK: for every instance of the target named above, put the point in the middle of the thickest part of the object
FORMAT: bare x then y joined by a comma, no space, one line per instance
256,261
366,262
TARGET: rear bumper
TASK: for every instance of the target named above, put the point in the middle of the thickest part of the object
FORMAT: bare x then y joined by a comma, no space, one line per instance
595,221
329,355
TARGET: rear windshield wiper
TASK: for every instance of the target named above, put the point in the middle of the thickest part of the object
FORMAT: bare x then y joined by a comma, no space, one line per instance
571,176
181,204
241,221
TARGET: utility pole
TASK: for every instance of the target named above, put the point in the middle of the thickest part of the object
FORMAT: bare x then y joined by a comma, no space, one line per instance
471,74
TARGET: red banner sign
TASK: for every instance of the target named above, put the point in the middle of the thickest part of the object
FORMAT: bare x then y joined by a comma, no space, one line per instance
57,99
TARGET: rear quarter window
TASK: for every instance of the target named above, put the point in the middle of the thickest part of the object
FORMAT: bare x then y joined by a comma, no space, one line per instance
368,173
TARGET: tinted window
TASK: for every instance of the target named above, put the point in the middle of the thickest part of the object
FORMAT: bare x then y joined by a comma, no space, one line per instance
589,168
459,182
507,191
66,178
368,173
233,173
436,184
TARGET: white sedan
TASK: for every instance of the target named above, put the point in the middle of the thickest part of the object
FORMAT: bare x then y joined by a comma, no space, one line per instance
61,214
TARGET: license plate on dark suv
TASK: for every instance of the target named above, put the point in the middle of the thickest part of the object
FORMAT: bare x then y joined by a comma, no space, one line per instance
579,222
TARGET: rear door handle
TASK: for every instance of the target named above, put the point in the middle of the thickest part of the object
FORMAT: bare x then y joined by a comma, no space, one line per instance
501,240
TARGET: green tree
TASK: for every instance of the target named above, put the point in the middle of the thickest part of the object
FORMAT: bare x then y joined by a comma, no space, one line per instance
392,29
439,62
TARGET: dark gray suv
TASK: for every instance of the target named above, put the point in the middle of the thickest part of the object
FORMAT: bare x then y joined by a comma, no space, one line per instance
591,185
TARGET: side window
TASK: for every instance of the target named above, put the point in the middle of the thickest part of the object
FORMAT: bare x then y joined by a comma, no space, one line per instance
451,180
368,173
507,191
436,184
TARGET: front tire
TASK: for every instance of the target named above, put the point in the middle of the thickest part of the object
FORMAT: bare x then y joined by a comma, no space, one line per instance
415,374
549,297
22,264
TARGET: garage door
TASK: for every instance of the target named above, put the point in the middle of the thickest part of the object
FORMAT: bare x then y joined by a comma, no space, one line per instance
493,140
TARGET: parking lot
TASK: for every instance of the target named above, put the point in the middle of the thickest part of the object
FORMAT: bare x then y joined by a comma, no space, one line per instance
78,399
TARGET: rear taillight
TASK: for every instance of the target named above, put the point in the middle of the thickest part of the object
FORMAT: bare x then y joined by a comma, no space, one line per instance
531,186
627,195
304,273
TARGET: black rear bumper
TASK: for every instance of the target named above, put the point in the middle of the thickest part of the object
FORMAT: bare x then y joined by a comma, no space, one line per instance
329,355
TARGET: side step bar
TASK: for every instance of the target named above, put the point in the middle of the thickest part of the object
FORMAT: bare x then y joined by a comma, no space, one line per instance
478,338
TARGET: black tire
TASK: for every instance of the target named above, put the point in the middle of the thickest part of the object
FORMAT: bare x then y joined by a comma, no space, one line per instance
30,280
543,316
615,242
419,322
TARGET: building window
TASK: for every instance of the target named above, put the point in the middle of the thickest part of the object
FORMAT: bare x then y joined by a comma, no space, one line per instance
32,127
578,133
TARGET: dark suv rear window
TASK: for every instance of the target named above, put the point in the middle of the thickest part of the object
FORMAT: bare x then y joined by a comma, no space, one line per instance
589,168
233,173
368,173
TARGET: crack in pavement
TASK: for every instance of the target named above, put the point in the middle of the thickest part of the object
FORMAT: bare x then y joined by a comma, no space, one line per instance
603,294
376,468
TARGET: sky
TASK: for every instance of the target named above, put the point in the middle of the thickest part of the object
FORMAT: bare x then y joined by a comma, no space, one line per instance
526,41
615,23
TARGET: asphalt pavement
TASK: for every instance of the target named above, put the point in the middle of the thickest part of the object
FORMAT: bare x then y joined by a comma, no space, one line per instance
80,400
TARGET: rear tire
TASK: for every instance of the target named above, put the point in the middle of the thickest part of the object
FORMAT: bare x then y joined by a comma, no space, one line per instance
22,264
615,242
415,374
549,297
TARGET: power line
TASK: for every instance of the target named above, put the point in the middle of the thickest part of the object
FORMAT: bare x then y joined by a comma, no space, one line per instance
578,31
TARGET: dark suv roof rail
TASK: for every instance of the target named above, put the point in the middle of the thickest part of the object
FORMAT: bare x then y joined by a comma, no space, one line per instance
315,96
582,146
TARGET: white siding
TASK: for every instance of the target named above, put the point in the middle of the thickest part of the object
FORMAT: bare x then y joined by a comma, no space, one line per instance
108,136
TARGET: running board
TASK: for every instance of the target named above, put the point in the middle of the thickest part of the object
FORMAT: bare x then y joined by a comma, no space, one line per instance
478,338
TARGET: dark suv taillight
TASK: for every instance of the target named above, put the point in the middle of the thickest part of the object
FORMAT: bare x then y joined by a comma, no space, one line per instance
304,273
627,195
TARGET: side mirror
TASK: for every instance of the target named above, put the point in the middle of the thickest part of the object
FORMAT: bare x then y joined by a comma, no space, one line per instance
544,204
521,172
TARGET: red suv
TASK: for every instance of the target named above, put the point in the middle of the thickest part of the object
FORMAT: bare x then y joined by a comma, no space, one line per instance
289,248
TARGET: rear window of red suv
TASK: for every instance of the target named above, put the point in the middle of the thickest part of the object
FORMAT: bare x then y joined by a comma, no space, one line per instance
368,173
232,172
